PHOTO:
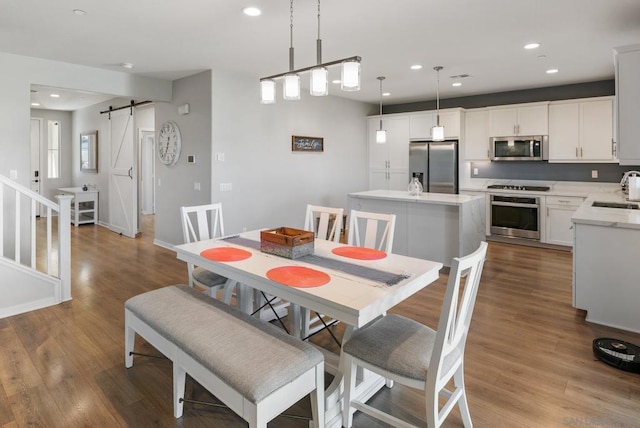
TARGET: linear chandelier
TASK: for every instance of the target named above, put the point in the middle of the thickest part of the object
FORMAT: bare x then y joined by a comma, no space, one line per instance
319,80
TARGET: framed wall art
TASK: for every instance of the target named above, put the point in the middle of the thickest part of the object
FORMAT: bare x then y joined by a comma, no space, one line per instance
307,144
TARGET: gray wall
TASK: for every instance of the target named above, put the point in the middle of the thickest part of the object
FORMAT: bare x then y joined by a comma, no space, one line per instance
175,183
552,93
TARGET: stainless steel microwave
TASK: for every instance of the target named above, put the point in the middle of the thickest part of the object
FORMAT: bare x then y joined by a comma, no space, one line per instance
530,148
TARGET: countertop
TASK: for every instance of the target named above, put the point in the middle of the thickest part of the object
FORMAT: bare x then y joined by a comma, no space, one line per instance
425,198
610,217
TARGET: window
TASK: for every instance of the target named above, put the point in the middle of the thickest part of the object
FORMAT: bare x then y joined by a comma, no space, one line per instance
53,149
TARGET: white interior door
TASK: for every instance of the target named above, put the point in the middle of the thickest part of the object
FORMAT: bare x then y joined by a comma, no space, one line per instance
147,173
123,180
36,144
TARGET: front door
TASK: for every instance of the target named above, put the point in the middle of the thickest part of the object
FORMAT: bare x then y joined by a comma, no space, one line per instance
36,135
123,181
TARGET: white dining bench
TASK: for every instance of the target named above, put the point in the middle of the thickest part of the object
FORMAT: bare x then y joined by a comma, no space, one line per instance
253,367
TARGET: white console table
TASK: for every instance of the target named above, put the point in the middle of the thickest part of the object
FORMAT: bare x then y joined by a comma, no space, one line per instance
85,205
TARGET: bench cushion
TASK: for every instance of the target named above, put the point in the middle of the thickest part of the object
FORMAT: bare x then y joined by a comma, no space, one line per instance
227,342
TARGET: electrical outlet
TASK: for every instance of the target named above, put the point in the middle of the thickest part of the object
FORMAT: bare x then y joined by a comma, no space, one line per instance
225,187
13,174
475,171
594,173
219,157
196,186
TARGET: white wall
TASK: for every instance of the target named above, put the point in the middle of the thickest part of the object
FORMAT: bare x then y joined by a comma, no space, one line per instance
271,184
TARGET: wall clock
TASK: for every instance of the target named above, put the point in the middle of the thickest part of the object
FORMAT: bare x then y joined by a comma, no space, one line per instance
169,143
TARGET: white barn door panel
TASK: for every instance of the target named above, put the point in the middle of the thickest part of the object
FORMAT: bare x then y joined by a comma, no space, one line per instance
123,188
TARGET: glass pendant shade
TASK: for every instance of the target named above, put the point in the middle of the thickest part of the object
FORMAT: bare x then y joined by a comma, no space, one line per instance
437,133
350,75
319,82
381,136
291,87
267,91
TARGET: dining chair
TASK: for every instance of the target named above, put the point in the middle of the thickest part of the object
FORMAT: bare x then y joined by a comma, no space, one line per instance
199,223
371,230
325,223
412,354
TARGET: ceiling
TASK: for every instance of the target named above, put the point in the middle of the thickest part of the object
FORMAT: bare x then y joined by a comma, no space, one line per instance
483,39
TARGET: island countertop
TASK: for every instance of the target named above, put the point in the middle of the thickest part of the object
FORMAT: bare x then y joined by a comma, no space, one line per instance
425,197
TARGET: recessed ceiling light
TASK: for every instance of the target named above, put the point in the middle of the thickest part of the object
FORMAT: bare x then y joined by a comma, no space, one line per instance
552,71
35,104
252,11
79,12
416,67
126,65
456,84
55,95
386,94
532,45
336,82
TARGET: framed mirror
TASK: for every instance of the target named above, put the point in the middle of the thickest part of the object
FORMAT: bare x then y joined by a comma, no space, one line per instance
89,151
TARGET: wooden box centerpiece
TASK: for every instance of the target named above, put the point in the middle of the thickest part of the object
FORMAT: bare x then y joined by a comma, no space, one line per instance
287,242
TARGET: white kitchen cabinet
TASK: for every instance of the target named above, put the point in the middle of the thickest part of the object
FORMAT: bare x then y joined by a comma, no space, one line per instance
581,130
389,162
627,64
520,119
558,225
476,135
421,124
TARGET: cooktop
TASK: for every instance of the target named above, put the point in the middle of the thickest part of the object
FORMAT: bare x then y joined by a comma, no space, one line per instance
518,187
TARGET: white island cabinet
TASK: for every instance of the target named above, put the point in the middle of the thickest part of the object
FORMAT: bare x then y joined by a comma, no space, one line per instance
606,263
432,226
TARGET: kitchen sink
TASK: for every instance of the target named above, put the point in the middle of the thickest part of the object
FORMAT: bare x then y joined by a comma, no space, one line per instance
622,205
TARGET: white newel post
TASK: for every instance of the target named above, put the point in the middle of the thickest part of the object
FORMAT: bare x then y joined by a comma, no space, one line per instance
64,243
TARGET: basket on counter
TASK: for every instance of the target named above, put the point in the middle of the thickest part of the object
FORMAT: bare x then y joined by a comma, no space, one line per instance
287,242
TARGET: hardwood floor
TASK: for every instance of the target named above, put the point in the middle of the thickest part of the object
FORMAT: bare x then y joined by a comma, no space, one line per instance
528,358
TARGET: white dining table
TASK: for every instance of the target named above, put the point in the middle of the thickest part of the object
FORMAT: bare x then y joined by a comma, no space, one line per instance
347,297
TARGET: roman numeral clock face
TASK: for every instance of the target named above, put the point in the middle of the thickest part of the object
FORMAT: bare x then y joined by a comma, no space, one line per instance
169,143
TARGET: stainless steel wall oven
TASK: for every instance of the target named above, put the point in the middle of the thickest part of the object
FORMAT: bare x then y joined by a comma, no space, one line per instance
516,216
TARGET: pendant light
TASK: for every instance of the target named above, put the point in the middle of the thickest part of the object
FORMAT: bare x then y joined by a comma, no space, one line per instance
319,75
381,134
437,132
291,85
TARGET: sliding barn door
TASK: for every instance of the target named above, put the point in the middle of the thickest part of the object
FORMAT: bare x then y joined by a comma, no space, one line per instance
123,188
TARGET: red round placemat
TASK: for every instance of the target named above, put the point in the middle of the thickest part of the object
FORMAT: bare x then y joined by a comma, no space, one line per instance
225,254
298,276
359,253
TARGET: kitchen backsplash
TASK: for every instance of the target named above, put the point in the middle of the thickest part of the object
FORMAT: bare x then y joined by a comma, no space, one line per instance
607,172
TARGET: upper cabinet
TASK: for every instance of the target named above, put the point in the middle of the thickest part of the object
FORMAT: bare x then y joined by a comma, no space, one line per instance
581,130
627,63
476,134
421,124
519,119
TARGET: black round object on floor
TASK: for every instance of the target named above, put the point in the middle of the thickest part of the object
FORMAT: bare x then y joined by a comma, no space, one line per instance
617,353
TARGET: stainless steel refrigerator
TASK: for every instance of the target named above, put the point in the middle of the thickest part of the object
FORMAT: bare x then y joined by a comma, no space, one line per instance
435,164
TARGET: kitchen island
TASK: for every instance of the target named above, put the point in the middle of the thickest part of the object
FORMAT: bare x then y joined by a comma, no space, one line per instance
606,263
432,226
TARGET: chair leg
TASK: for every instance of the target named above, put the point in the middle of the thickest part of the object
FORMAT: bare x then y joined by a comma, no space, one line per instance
129,343
179,380
458,381
227,291
348,392
317,399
